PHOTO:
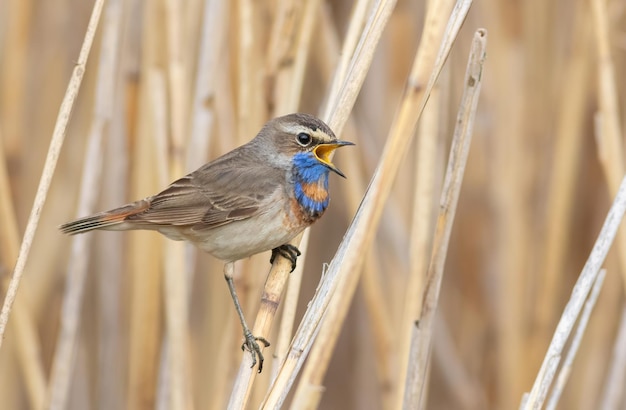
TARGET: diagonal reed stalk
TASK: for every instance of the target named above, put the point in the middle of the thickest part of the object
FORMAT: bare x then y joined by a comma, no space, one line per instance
563,180
56,143
566,369
288,81
609,135
342,107
534,400
535,192
63,364
342,275
414,396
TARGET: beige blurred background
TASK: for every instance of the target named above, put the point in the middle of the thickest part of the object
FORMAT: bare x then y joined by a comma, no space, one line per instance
534,197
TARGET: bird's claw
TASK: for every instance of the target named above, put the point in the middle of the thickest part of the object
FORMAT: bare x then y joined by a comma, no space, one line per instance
287,251
250,344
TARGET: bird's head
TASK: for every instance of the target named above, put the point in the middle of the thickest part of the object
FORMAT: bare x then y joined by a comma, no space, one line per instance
303,140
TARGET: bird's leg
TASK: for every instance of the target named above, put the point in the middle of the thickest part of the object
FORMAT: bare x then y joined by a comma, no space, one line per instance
250,342
287,251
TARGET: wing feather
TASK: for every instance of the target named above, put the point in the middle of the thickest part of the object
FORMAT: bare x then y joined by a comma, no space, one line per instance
231,188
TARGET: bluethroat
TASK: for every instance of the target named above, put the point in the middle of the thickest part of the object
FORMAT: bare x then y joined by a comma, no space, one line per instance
255,198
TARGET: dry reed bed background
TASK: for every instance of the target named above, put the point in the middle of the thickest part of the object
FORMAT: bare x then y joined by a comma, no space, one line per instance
132,320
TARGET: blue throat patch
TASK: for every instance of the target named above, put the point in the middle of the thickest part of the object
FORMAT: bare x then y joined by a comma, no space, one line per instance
308,171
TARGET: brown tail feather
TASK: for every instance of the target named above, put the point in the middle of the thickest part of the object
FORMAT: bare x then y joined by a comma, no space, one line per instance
104,220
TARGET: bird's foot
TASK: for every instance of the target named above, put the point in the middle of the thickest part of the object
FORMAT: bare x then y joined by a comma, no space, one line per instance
287,251
251,345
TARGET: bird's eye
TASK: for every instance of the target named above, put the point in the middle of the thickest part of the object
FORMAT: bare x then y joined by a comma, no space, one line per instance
303,139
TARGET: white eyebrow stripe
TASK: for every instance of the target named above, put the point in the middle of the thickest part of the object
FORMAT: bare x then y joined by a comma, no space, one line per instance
297,128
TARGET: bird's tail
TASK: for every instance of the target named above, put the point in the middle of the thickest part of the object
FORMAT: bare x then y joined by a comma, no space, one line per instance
109,220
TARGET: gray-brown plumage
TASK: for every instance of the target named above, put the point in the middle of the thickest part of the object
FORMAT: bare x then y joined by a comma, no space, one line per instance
256,197
246,183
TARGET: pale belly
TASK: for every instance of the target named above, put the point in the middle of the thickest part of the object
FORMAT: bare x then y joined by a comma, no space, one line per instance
244,238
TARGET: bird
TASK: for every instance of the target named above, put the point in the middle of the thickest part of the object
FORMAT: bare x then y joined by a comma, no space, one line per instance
253,199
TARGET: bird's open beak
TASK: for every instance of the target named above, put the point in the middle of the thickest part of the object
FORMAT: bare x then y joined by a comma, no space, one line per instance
322,153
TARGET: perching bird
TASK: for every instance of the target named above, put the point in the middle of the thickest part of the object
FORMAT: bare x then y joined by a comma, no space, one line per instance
254,198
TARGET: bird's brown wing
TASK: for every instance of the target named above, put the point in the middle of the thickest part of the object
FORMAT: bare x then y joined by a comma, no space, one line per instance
232,188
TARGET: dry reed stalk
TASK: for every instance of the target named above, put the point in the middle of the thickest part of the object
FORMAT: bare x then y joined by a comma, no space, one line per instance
608,132
338,109
169,377
414,396
243,9
563,178
56,144
566,369
534,115
351,41
211,47
613,394
28,346
29,354
610,139
288,54
290,304
286,63
378,313
345,267
177,83
12,97
210,51
9,232
176,271
282,35
63,360
287,91
536,397
109,255
145,329
65,351
281,53
269,305
220,327
379,316
420,241
287,67
250,114
145,314
281,266
291,82
176,314
148,174
360,65
226,131
508,191
112,322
